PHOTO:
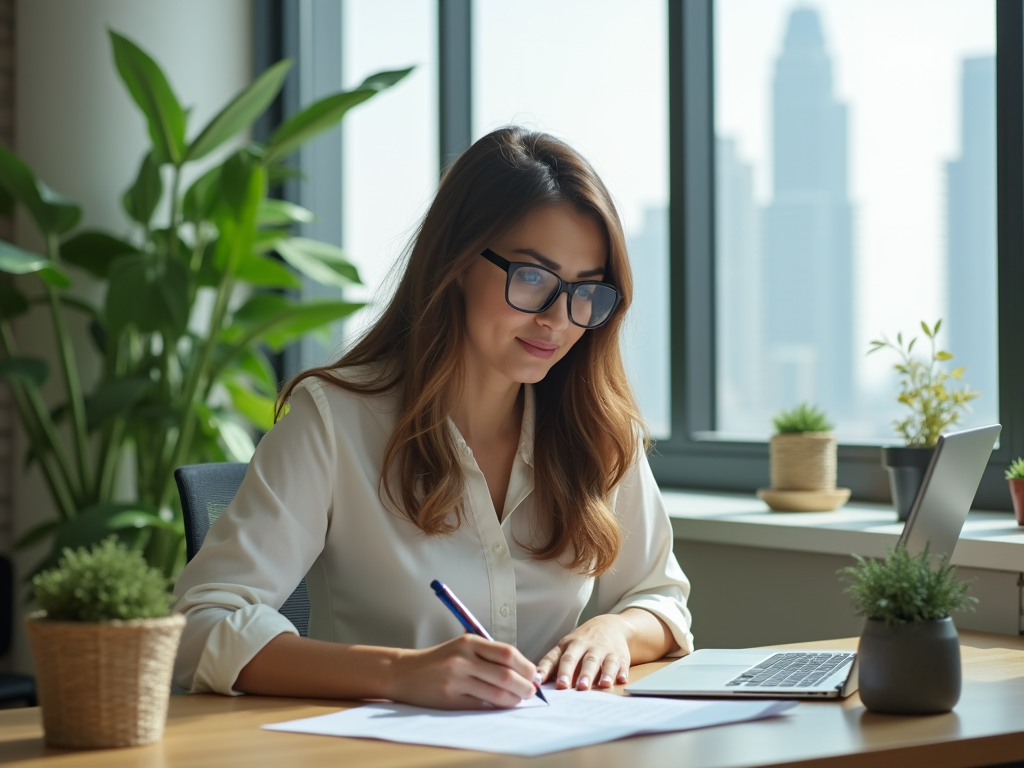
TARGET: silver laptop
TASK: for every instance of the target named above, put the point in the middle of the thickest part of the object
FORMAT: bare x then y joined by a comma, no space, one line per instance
937,515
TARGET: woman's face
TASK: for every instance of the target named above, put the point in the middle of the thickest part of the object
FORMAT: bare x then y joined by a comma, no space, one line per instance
519,346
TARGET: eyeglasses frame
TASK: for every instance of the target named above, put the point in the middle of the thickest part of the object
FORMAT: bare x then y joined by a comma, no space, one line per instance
563,287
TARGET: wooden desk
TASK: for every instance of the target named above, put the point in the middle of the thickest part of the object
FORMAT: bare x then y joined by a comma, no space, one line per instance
986,728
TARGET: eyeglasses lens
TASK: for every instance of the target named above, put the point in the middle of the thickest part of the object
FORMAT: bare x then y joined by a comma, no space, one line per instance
531,288
592,303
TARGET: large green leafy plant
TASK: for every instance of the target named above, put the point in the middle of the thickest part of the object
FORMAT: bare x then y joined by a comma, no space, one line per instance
171,393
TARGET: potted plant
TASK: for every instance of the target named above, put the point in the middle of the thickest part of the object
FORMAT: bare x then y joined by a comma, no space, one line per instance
221,257
909,654
935,404
802,458
1015,476
103,647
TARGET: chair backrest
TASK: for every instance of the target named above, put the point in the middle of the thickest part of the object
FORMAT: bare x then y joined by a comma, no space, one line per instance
205,491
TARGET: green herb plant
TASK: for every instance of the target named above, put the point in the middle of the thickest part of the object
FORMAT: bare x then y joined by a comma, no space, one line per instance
108,581
927,389
903,588
171,394
1016,470
802,418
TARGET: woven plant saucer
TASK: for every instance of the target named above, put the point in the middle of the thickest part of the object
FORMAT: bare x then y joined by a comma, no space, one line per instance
804,501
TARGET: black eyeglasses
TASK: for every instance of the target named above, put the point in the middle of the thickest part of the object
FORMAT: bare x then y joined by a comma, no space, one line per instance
533,288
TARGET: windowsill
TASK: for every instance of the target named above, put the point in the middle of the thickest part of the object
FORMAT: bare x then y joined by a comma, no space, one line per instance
990,540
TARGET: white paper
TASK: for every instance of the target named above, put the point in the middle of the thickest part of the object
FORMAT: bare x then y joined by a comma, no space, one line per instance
574,719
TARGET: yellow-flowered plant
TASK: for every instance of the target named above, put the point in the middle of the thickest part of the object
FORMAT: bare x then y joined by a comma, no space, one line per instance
927,389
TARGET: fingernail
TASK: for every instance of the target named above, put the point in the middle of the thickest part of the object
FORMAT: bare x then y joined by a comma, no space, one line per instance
606,679
563,681
623,677
538,678
583,683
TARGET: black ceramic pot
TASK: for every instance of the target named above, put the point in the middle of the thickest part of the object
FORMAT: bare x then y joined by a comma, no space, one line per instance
906,468
909,669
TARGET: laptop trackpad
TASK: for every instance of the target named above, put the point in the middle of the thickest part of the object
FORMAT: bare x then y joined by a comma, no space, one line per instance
703,678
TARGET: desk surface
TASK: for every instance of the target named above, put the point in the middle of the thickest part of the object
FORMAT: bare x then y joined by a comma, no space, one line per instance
986,728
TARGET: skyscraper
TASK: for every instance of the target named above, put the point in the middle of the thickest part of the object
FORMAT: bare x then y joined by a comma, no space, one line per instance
807,230
971,236
738,285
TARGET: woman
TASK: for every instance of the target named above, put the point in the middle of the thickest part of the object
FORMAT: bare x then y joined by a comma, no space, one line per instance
481,433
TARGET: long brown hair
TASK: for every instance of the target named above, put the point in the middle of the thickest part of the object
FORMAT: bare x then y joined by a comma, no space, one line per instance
588,427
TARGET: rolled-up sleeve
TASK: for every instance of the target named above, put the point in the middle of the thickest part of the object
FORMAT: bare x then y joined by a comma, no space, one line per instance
260,548
646,574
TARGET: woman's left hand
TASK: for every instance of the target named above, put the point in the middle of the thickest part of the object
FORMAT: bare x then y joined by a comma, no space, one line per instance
594,655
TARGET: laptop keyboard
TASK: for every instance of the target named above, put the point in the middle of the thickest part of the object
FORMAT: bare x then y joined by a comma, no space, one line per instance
792,670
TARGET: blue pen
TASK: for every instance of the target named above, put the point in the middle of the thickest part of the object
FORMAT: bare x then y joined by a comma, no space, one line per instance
468,620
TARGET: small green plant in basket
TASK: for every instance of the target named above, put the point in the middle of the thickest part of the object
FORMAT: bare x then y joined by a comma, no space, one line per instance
104,647
802,418
105,583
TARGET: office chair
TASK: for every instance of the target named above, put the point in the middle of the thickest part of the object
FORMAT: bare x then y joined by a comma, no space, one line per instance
14,689
205,491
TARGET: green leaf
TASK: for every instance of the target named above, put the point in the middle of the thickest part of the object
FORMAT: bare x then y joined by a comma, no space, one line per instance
7,202
149,292
95,251
12,301
149,88
325,114
52,213
253,363
114,397
15,261
29,370
275,213
235,179
267,272
258,409
266,240
37,534
201,198
242,112
142,198
943,356
244,186
319,261
277,321
234,438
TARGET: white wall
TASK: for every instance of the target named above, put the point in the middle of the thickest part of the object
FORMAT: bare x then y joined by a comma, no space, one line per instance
78,128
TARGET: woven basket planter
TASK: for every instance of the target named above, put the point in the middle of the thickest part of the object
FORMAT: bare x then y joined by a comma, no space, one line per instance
106,684
803,462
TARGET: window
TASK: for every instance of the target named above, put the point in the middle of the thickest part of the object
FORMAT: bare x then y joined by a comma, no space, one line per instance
856,190
605,94
389,150
794,179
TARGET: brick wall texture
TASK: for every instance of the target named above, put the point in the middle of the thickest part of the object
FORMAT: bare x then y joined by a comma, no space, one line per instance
6,232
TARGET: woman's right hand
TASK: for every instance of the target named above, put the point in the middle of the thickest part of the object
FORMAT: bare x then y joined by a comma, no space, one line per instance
468,672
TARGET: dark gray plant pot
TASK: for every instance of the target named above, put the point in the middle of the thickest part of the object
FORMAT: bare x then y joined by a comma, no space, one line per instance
906,468
909,669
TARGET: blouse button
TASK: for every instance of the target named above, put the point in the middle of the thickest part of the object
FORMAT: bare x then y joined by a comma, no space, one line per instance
496,547
505,610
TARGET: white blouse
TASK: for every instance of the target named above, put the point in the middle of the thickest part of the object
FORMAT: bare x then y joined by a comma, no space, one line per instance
309,507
